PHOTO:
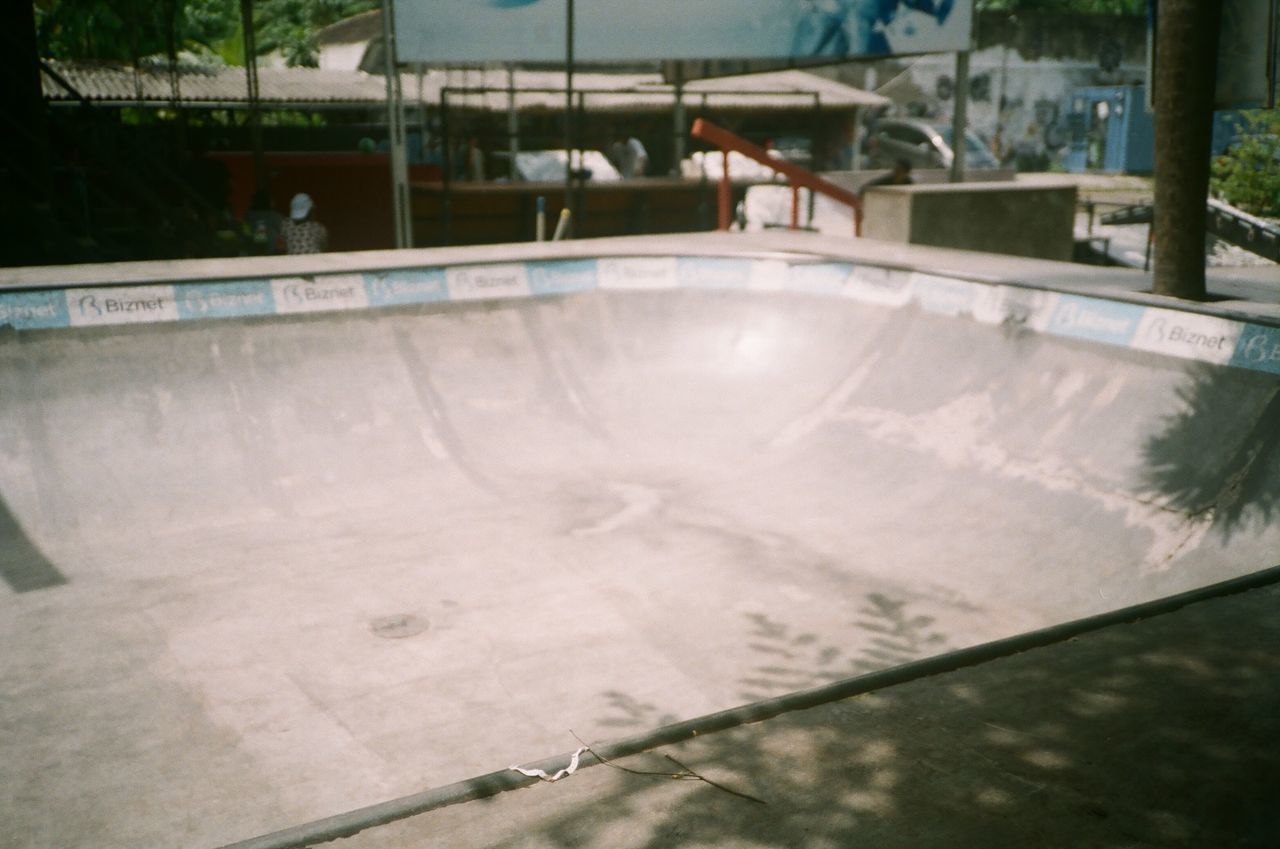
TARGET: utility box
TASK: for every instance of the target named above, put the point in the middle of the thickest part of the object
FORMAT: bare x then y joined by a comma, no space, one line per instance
1110,130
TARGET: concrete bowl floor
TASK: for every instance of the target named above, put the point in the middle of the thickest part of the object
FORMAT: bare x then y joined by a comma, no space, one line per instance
293,566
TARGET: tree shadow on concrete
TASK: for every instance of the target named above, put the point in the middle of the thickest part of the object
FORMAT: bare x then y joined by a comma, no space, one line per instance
628,712
1221,452
887,634
1156,734
23,566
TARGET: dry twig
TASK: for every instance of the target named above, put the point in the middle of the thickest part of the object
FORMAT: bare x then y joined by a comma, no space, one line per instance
685,773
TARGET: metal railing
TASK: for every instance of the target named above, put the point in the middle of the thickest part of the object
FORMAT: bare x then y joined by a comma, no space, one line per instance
797,177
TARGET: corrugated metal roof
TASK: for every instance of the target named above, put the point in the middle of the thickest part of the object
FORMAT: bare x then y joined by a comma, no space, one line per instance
202,85
484,89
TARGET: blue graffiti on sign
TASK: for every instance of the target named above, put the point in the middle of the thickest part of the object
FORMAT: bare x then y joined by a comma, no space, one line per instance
1094,319
32,310
561,277
405,286
711,272
1258,349
225,300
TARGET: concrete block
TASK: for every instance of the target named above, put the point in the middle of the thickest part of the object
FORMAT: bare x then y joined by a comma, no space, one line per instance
1032,219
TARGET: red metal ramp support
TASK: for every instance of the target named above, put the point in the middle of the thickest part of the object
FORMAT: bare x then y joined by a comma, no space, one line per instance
797,176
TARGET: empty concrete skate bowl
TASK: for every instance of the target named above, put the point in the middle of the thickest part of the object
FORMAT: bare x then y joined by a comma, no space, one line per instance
266,560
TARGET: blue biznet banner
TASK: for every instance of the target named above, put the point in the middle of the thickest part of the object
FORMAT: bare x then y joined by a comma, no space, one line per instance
638,272
562,277
33,310
225,300
713,272
1258,348
467,31
820,278
1096,320
405,286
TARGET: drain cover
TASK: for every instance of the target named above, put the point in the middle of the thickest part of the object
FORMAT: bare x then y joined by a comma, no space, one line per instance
399,626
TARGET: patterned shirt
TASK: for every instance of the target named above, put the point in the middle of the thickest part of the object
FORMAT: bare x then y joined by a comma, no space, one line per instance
304,237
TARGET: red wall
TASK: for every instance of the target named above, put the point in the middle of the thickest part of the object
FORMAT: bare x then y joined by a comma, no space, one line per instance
352,192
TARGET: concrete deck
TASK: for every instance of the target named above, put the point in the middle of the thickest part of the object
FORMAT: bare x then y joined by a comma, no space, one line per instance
265,570
1159,733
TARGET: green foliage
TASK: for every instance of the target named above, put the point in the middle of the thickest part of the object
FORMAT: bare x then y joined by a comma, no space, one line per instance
290,26
127,30
121,30
1247,175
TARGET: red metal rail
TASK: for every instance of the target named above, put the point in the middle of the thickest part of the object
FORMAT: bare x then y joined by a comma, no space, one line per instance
797,176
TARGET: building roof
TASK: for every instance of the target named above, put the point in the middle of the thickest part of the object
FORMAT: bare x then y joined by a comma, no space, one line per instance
207,86
482,89
625,92
353,30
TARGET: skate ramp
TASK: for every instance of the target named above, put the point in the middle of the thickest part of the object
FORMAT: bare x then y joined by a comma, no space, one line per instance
369,533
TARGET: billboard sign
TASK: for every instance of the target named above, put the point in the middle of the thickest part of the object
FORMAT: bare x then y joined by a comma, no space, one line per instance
472,31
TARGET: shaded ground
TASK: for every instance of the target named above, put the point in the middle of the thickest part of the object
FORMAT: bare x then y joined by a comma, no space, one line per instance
1153,734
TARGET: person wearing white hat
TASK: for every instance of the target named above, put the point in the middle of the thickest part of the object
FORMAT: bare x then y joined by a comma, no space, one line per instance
302,233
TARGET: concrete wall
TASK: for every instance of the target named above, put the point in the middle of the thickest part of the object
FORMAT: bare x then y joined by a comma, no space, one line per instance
1021,219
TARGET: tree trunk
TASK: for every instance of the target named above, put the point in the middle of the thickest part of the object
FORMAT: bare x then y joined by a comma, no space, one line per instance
24,133
1185,71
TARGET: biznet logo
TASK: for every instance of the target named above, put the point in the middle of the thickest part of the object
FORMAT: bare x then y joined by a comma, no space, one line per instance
1098,320
98,306
1188,335
319,293
121,306
479,282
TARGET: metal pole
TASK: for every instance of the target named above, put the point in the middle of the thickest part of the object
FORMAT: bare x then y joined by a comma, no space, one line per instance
959,118
513,121
725,193
568,108
446,178
999,99
579,180
678,146
255,103
869,84
395,129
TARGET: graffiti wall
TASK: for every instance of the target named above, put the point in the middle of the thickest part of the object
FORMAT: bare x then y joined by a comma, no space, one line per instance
1021,80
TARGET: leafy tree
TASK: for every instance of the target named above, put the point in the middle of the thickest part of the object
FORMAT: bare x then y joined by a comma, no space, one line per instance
1247,174
127,30
290,26
119,30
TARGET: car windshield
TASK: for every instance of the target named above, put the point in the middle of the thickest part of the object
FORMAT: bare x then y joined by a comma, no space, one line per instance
977,153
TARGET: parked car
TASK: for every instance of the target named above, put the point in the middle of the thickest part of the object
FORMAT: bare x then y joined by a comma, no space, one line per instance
547,166
924,144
